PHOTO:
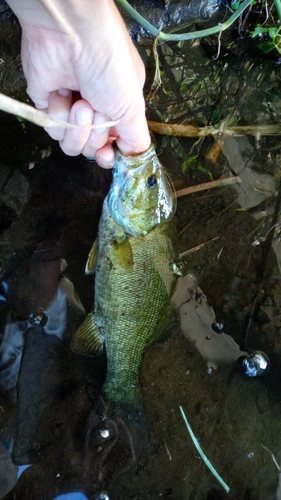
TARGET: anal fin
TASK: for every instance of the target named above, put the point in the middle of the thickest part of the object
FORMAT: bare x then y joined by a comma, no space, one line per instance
88,339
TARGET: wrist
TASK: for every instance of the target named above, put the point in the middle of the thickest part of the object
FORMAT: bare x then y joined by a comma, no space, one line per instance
62,16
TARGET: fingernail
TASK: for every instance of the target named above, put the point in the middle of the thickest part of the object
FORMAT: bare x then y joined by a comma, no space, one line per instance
105,165
84,116
64,92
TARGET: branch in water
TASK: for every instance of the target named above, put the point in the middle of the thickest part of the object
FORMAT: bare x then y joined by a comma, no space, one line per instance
188,130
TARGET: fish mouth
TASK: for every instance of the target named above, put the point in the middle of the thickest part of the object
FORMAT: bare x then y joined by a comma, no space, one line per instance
136,203
134,162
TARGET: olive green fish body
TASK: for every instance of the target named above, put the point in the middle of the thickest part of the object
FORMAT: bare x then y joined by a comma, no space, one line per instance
134,277
133,286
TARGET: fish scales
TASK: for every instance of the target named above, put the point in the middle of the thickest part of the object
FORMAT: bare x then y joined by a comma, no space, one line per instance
132,303
134,277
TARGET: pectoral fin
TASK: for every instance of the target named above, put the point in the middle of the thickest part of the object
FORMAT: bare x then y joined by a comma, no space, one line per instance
88,340
92,258
121,254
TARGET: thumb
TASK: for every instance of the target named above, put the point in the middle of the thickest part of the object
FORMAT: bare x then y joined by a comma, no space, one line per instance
133,137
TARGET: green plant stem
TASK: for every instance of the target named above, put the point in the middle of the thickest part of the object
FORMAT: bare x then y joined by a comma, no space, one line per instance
278,8
186,36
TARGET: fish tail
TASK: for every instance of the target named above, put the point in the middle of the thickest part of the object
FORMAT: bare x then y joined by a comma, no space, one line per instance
133,423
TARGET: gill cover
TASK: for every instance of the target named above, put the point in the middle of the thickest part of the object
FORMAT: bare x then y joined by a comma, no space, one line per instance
141,194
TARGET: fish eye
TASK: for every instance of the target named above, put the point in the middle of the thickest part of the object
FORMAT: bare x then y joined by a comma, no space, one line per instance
151,181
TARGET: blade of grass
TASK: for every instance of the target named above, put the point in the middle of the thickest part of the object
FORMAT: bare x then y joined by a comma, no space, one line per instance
202,454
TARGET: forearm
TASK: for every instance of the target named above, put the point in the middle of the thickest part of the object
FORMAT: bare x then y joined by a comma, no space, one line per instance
62,15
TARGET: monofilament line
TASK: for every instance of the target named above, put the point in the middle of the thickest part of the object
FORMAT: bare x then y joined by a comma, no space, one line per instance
202,454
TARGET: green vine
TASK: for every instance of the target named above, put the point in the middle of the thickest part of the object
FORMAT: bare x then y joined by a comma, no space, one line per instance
238,6
186,36
278,8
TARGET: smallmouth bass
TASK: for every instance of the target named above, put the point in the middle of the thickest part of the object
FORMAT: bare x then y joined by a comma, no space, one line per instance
133,260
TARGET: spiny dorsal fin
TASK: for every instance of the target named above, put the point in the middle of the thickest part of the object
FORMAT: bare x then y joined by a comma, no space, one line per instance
92,258
88,340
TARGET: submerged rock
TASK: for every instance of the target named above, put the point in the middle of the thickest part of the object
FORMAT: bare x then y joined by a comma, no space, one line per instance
14,188
197,321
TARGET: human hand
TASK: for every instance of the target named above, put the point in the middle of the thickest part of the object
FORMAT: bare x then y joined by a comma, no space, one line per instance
70,48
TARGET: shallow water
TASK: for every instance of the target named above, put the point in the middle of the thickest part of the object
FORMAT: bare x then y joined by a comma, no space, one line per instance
50,409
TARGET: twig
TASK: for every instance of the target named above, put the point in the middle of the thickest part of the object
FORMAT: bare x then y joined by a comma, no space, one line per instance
254,129
184,229
183,36
192,131
40,118
195,249
202,454
174,129
208,185
273,458
221,212
168,451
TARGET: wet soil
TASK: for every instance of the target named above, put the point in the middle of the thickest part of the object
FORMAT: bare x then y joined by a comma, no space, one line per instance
51,416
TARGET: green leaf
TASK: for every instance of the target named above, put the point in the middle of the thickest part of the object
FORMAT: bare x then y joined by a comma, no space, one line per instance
191,162
266,47
21,121
259,30
205,171
272,32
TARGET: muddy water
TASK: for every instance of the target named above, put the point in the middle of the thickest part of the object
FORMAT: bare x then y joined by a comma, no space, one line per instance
50,406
